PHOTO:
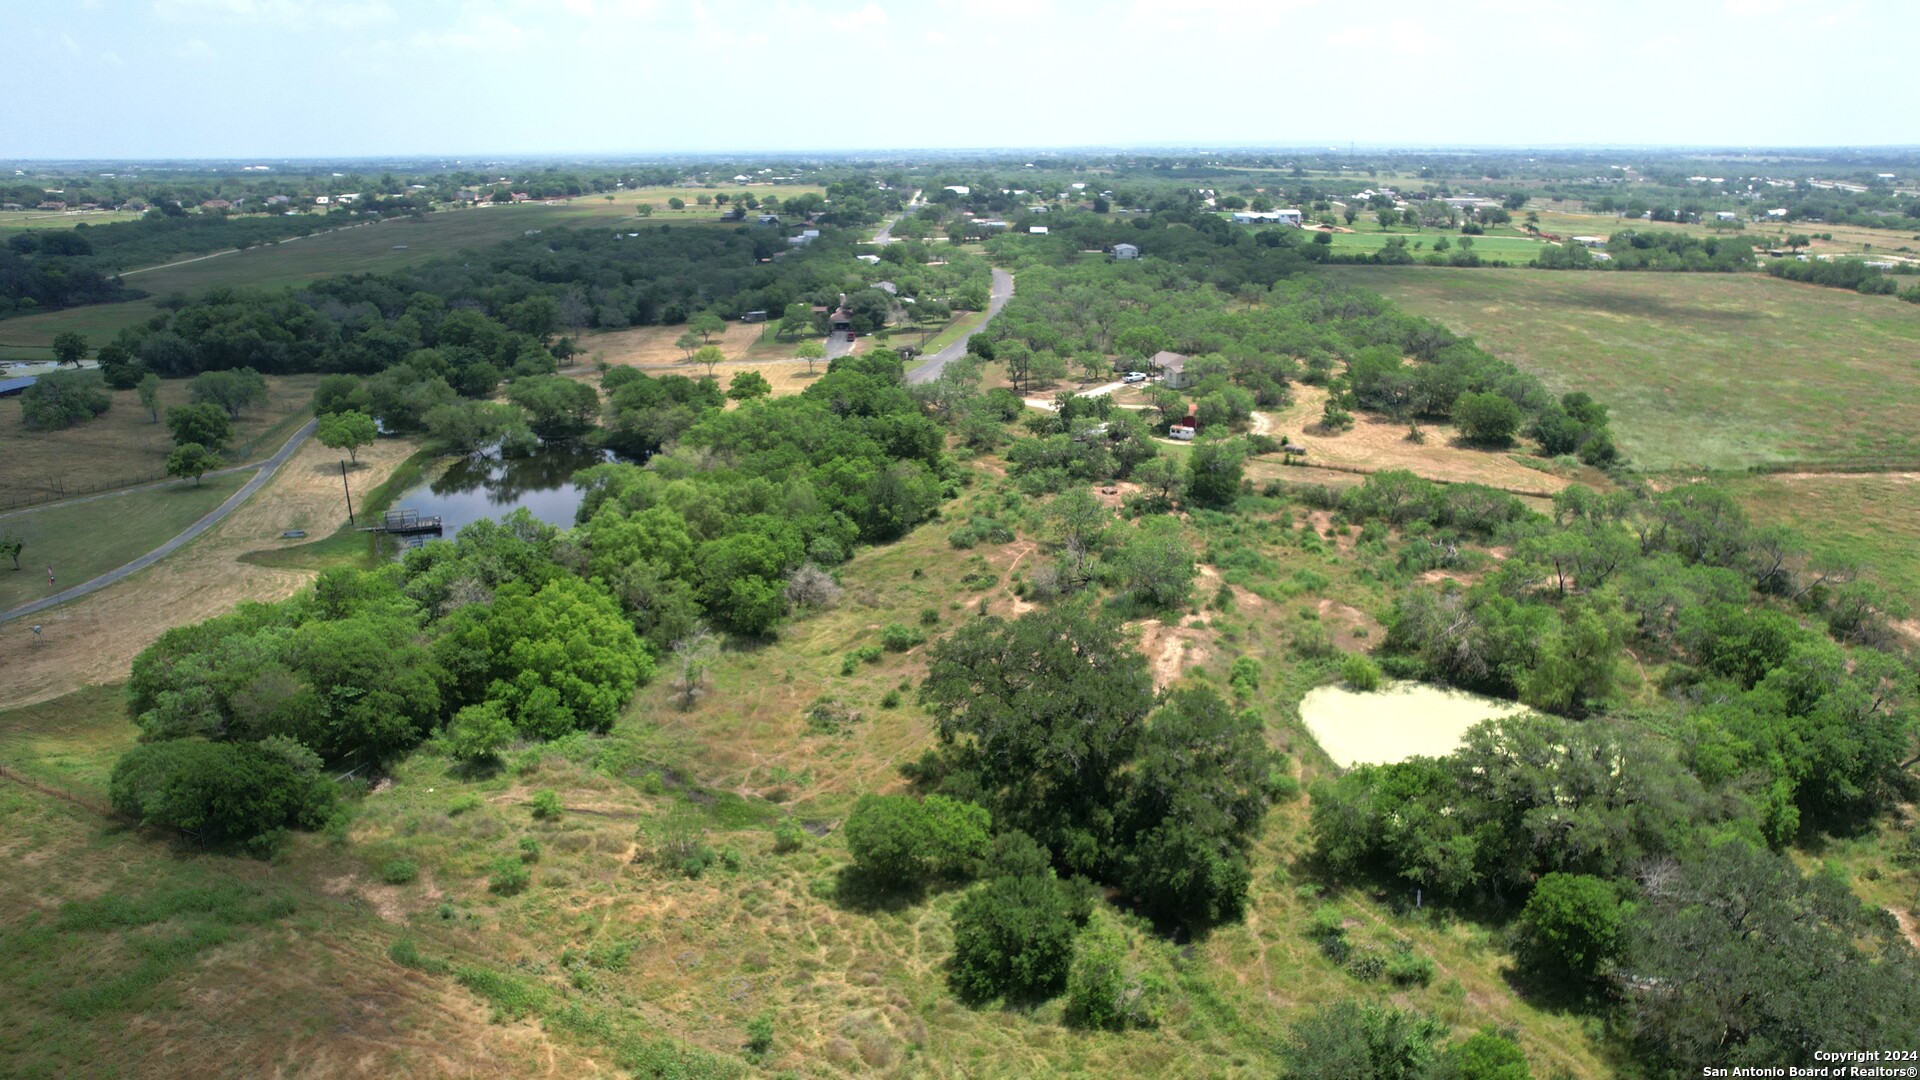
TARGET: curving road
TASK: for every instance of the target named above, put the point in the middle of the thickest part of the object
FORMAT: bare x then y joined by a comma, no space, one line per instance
267,469
996,299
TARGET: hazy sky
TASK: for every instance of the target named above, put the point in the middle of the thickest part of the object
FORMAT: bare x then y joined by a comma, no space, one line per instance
309,78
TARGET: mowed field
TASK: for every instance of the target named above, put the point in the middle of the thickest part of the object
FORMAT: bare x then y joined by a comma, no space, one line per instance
125,446
81,541
1717,371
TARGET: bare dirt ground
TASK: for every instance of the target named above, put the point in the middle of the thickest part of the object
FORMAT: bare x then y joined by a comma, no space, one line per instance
94,639
1376,445
652,346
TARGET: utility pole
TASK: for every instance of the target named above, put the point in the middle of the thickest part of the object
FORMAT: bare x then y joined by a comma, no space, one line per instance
348,490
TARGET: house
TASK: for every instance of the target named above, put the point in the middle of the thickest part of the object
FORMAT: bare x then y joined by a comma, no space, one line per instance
520,196
12,387
1591,241
870,260
321,200
1126,251
754,316
1037,230
841,321
216,204
51,204
1289,216
467,195
887,287
989,223
734,213
279,200
1267,217
806,237
1725,215
961,190
1777,212
1173,370
767,219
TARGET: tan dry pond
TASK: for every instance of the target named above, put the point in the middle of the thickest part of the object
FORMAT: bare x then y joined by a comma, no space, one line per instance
1398,721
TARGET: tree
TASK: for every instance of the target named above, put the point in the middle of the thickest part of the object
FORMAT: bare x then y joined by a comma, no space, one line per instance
218,791
1156,564
706,324
231,390
557,407
191,459
1351,213
1489,419
206,424
1106,988
69,348
1573,928
688,342
340,393
347,431
1214,470
796,320
10,548
810,351
1194,808
1012,939
675,202
748,385
61,399
709,355
149,391
1161,484
692,656
1040,716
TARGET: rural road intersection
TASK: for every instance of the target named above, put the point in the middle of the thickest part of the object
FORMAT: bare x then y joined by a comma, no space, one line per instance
266,469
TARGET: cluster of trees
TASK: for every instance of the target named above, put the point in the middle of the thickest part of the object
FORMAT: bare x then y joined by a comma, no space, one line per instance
1050,722
1646,850
487,637
1852,274
716,528
61,399
1674,250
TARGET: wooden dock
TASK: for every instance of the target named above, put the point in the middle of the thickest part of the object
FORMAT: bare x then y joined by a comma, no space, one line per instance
408,523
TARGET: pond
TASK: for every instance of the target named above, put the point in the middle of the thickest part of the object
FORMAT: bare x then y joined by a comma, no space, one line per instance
1398,721
485,485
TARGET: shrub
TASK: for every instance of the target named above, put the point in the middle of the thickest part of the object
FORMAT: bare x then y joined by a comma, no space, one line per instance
898,841
1366,964
399,871
898,638
788,836
408,955
1012,939
479,732
507,875
1360,672
1489,419
1105,988
461,804
930,617
890,699
529,850
759,1036
1408,968
546,804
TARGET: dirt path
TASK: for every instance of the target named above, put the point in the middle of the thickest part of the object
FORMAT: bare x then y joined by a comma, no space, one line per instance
95,638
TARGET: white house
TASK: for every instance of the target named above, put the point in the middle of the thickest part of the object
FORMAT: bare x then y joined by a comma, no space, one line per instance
961,190
1126,251
1266,217
1725,215
1591,241
1173,370
1037,230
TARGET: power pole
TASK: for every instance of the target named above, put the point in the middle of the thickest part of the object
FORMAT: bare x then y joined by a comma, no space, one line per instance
348,490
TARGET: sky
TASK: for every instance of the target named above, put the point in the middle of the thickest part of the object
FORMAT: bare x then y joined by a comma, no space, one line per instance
275,79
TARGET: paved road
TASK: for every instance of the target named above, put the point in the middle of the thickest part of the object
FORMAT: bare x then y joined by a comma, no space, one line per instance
885,235
267,469
997,299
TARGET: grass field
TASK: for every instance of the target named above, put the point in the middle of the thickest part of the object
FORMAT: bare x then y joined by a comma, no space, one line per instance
608,957
1514,249
125,446
1871,517
18,220
1701,370
83,540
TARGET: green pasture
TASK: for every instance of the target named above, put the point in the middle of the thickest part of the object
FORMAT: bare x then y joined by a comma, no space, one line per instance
1720,371
86,539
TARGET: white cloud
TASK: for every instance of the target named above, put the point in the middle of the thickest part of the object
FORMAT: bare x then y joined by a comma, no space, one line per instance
1162,15
871,15
194,49
937,38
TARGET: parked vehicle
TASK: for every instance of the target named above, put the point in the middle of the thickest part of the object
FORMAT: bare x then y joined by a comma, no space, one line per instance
1134,377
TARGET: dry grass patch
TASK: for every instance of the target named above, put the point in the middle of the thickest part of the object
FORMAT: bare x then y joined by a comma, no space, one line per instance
125,446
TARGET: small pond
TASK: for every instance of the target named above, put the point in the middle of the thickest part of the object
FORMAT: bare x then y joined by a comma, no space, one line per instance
1398,721
486,485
